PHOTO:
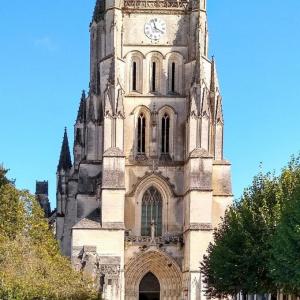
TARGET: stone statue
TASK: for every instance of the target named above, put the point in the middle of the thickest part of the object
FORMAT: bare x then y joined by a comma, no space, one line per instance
152,231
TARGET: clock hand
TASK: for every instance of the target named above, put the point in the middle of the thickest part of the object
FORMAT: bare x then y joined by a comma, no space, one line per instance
156,28
154,24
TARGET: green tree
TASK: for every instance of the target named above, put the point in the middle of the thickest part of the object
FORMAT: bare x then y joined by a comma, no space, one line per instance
284,261
223,265
237,261
31,266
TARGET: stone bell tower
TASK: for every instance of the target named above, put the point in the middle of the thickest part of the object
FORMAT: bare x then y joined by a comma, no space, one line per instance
149,182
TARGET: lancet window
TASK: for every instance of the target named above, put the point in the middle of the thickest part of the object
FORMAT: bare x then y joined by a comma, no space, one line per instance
151,212
165,134
134,76
153,77
173,74
141,134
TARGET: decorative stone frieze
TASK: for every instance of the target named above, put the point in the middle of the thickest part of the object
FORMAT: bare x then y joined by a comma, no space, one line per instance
146,240
156,4
199,227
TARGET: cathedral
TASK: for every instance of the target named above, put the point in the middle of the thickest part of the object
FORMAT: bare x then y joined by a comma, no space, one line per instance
148,183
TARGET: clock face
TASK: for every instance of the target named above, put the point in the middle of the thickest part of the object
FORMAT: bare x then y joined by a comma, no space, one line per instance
155,28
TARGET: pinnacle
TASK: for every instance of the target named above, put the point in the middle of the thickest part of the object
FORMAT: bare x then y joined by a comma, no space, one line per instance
82,108
65,162
99,10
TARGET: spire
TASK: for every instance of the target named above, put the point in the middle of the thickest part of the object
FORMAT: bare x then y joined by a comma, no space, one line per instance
65,162
82,108
99,11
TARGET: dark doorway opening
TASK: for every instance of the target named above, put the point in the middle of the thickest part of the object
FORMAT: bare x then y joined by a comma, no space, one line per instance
149,288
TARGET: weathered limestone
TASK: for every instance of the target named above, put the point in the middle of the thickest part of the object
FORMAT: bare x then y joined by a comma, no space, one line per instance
149,181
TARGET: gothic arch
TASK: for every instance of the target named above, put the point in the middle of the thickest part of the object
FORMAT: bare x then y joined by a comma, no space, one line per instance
162,266
136,57
137,111
140,108
165,182
155,54
176,54
158,182
166,193
155,65
175,84
168,108
170,111
134,52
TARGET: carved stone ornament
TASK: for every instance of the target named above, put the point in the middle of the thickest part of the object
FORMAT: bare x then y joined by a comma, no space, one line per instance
120,99
159,263
193,102
109,266
200,226
113,152
145,240
157,4
200,153
108,111
110,270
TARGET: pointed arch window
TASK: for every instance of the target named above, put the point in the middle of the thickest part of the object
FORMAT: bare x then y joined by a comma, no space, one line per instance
134,76
173,74
165,134
153,77
151,212
141,134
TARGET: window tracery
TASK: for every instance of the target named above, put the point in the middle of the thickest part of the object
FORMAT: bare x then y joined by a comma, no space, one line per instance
151,212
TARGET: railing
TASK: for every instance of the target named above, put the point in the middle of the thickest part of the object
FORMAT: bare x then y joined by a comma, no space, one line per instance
153,4
168,239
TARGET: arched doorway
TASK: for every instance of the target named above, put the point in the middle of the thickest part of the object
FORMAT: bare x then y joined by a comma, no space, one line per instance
149,288
165,269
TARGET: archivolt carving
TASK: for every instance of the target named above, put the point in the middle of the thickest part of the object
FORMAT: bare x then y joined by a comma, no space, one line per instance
154,175
162,266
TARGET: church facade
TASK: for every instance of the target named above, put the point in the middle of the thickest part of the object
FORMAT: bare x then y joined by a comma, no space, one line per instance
137,207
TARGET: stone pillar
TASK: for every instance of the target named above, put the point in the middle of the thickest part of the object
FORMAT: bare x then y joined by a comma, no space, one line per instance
198,202
112,208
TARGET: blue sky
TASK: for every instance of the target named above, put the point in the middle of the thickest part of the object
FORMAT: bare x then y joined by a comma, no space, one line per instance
44,65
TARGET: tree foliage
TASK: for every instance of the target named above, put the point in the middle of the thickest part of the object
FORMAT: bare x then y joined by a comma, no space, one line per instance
256,248
31,266
237,260
284,261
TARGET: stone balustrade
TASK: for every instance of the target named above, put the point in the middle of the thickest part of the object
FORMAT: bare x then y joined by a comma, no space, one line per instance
144,240
156,4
